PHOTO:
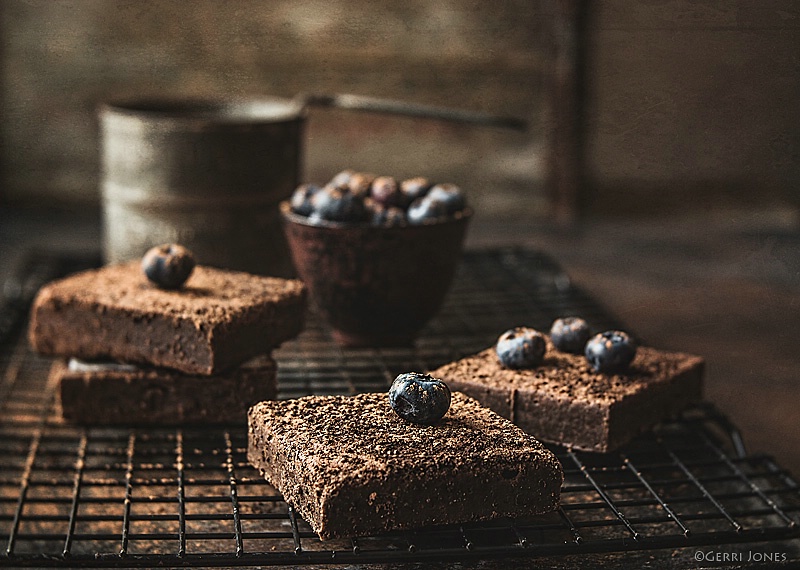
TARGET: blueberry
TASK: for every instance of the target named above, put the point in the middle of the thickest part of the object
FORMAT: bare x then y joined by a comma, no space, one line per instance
338,204
414,188
570,334
360,183
301,199
168,266
424,210
342,178
521,347
386,191
386,217
419,398
451,195
610,352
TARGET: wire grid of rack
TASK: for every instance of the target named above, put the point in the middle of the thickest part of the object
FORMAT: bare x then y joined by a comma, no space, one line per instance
187,497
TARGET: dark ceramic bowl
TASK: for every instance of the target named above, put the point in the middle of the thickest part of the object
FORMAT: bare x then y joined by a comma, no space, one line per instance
376,286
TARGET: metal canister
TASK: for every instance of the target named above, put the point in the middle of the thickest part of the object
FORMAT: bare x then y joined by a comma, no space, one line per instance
208,175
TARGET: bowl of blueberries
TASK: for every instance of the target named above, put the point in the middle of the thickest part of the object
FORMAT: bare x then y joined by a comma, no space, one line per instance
377,254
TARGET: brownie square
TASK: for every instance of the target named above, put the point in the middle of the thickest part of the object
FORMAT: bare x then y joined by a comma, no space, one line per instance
351,466
565,401
113,394
218,320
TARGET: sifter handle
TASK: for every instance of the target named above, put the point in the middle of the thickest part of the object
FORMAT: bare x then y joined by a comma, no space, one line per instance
392,107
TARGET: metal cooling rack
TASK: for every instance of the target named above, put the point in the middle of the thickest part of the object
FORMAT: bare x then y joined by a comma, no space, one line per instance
187,497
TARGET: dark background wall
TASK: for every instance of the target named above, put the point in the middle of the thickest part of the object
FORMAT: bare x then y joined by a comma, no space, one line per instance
61,58
688,102
695,104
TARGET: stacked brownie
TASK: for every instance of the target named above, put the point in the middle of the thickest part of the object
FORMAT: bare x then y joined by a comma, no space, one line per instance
140,354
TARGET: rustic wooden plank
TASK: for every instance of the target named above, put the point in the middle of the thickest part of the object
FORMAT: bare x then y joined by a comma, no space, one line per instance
567,97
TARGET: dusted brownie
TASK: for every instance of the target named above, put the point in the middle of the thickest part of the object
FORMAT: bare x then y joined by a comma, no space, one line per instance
351,466
218,320
565,401
125,394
